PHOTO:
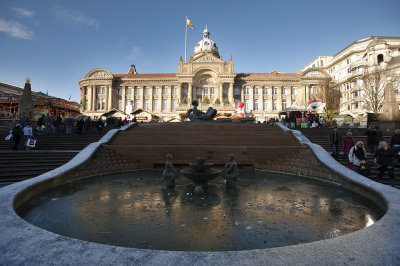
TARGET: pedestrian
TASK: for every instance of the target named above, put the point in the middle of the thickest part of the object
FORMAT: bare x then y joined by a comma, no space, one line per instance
99,126
70,124
79,126
27,134
378,137
348,144
16,133
40,124
370,133
48,122
383,158
395,145
88,125
358,156
334,141
57,123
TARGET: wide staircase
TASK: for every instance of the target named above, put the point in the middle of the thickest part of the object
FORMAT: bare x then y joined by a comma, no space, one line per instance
51,151
320,137
147,145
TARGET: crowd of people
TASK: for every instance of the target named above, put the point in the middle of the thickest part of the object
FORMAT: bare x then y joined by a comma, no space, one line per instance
385,156
51,125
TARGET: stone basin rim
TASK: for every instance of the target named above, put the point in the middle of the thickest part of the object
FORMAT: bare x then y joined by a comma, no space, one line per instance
21,242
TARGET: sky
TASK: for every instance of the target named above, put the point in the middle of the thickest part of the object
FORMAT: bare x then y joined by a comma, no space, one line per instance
56,43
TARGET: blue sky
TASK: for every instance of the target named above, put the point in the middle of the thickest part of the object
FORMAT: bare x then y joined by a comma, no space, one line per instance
56,43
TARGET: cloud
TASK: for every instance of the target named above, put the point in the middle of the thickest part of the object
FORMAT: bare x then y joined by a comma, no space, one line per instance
135,54
15,29
74,18
23,13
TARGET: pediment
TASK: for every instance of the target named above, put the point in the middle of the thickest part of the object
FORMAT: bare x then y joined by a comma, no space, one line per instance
99,73
315,73
206,59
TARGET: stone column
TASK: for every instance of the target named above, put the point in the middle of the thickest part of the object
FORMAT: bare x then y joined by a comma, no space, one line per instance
221,92
190,94
242,94
151,99
123,98
109,98
251,98
231,100
179,91
93,98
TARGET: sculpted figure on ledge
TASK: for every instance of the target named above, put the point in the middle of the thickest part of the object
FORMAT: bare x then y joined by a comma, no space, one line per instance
230,172
195,114
170,173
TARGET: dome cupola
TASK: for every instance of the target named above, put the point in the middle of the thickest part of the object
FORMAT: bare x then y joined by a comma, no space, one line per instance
206,45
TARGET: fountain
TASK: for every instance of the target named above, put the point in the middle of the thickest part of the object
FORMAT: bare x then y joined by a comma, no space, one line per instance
126,216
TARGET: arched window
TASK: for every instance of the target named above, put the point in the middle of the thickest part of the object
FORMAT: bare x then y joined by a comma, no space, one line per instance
380,58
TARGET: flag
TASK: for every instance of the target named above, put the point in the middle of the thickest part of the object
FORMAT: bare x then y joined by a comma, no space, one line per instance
188,22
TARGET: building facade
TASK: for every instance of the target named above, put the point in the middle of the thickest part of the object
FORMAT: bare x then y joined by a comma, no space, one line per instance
360,67
210,80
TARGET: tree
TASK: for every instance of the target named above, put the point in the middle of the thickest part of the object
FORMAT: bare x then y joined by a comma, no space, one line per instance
329,95
217,101
206,100
374,81
184,101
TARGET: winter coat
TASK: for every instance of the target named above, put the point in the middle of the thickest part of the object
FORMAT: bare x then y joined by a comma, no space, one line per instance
384,157
348,143
353,157
395,140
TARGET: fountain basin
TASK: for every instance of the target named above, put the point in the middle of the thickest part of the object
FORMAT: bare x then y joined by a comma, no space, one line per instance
201,177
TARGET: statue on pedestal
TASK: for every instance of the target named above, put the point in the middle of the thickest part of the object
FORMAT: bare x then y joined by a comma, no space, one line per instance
195,114
170,173
230,172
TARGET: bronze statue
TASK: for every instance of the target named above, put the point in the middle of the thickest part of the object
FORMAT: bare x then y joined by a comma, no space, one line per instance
170,173
199,115
230,172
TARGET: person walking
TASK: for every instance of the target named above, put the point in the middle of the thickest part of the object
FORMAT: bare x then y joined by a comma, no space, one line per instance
79,126
358,156
99,126
40,124
334,141
47,123
378,137
370,133
88,126
70,124
383,158
16,133
27,134
348,144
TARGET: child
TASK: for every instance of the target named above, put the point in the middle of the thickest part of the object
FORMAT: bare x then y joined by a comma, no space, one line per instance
348,143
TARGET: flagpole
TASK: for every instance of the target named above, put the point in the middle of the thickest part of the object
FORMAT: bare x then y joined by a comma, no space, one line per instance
185,38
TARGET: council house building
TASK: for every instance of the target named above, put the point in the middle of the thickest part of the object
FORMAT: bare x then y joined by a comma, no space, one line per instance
210,80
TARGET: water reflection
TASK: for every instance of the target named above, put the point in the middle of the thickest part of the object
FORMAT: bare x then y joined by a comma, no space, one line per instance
265,210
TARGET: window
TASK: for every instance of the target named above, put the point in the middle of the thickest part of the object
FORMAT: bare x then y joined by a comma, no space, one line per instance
205,91
155,90
198,92
212,91
128,91
103,104
98,104
274,91
164,105
265,105
274,107
185,91
137,104
137,91
322,63
174,92
265,90
174,104
236,91
146,92
293,90
283,91
155,105
246,105
255,92
255,105
120,92
146,105
380,58
226,90
348,60
293,102
246,90
284,104
164,90
119,104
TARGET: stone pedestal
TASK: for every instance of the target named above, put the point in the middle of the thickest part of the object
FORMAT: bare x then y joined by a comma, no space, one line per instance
25,107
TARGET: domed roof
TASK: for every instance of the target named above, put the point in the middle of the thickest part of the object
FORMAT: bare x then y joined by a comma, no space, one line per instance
206,45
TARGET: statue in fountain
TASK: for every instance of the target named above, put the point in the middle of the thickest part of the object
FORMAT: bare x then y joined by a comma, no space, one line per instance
230,172
170,173
195,114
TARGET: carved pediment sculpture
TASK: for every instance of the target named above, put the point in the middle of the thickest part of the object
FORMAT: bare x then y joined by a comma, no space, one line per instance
99,74
205,59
